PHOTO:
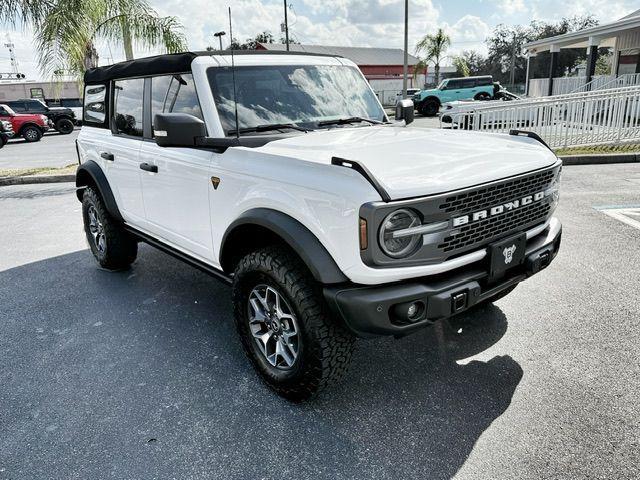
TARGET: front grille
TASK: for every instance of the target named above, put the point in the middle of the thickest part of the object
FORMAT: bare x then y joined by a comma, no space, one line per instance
494,227
481,198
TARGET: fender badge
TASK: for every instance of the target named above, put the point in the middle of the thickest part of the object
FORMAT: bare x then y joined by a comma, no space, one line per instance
215,181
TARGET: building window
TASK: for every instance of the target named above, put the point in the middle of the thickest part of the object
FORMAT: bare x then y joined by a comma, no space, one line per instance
37,93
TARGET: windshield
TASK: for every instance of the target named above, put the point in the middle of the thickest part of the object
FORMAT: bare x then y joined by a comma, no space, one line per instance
7,109
303,95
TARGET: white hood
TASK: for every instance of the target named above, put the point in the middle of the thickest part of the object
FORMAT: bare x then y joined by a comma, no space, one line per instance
412,162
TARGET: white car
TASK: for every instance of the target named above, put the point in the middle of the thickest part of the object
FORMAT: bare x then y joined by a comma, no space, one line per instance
282,175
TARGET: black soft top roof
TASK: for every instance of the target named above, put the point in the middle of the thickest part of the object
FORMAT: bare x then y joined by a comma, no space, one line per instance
167,64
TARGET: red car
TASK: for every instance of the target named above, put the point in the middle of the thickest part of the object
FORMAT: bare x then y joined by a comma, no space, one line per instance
30,126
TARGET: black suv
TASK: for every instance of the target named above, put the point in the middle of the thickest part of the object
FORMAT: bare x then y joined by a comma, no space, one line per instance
62,119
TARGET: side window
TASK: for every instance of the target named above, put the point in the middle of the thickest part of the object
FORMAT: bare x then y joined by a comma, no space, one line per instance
468,83
127,106
453,84
174,94
17,106
3,112
35,107
94,103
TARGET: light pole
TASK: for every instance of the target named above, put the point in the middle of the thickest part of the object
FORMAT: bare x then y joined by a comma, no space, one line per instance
220,35
405,66
286,26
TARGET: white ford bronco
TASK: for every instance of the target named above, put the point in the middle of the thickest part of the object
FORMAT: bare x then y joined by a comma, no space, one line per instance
282,175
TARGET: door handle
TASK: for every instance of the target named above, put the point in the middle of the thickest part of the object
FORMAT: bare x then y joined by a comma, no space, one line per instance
107,156
147,167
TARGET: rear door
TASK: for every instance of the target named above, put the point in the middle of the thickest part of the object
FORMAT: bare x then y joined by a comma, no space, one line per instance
468,88
120,155
176,196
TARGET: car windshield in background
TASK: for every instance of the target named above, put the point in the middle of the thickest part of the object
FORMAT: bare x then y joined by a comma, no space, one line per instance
301,95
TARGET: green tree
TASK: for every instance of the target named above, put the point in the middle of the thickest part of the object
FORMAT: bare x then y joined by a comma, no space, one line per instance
462,68
434,47
68,29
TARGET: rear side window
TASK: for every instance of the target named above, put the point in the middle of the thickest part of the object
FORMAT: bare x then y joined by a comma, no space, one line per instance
468,83
35,106
70,102
484,81
17,106
127,107
174,94
94,103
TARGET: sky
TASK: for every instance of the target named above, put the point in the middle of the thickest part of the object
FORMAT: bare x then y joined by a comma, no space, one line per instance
368,23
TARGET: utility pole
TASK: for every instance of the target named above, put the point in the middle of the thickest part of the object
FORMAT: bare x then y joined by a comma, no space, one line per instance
512,77
12,55
286,26
405,66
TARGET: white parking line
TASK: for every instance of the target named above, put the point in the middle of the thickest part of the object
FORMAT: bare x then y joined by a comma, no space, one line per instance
628,215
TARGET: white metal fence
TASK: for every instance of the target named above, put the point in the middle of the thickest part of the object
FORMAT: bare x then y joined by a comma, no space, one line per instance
577,119
539,87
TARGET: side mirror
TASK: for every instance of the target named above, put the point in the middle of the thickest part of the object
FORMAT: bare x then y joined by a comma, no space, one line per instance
178,129
405,110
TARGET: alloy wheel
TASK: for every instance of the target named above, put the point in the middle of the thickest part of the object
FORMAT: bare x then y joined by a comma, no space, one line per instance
274,327
97,230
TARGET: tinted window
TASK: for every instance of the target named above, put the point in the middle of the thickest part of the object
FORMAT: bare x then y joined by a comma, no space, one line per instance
3,112
35,106
70,102
174,94
468,83
17,106
454,84
127,104
94,105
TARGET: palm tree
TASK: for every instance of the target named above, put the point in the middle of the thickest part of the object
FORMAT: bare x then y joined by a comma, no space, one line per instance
434,48
67,29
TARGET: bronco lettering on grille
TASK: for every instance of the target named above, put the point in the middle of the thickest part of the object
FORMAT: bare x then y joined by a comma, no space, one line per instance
497,210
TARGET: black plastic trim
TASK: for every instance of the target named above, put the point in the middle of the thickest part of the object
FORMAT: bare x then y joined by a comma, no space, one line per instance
93,170
305,244
533,135
194,262
362,170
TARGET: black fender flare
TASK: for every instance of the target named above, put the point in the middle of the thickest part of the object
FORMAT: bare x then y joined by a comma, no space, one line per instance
90,172
304,243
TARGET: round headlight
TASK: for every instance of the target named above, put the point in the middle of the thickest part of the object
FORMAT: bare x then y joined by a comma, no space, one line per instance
398,246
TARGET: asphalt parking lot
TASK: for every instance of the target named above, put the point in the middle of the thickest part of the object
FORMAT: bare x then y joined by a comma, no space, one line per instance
138,374
53,150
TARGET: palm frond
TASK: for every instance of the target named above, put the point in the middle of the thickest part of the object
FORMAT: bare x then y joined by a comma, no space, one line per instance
24,11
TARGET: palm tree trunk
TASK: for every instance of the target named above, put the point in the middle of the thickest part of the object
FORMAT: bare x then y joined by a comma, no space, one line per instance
436,70
126,39
90,56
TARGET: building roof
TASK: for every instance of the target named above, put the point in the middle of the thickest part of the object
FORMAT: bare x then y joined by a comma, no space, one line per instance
358,55
605,33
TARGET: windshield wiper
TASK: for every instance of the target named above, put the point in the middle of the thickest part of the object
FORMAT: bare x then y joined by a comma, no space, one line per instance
347,120
269,127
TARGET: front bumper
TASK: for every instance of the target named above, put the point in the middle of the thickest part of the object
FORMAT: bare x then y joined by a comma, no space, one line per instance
373,310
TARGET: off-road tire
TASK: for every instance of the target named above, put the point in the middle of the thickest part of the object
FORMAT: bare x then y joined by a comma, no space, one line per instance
325,346
64,126
430,108
482,96
31,134
3,140
121,248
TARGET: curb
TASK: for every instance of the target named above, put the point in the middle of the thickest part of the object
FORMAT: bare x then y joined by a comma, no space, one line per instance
604,158
5,181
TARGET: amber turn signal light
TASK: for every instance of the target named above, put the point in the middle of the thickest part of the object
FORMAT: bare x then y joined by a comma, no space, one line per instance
363,234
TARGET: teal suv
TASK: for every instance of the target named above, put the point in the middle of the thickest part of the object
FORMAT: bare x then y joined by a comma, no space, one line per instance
428,102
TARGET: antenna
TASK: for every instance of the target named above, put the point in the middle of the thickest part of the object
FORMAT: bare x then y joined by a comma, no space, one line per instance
233,75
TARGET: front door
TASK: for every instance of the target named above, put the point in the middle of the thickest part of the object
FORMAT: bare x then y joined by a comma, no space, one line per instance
176,192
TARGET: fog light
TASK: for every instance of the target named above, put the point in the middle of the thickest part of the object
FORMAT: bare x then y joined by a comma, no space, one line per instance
410,311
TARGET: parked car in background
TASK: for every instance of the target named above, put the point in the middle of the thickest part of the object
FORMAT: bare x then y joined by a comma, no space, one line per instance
410,93
73,104
449,110
6,132
29,126
62,119
429,101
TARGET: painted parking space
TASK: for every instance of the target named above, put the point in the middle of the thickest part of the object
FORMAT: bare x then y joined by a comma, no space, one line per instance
629,215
